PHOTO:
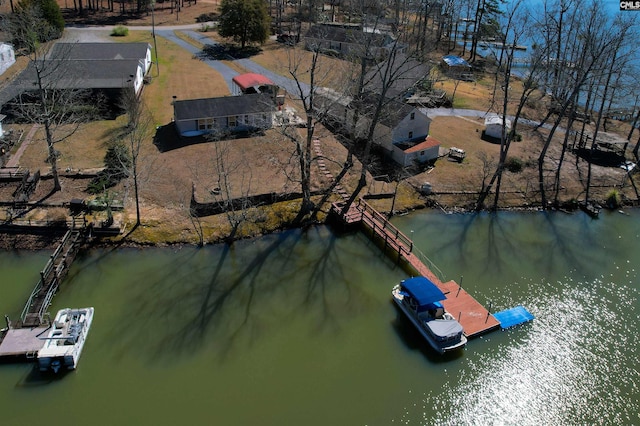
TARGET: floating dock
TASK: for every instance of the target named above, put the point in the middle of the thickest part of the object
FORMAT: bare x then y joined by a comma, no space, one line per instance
514,316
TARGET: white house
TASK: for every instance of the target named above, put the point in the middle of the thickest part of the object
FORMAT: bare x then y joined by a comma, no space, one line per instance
407,154
7,57
493,126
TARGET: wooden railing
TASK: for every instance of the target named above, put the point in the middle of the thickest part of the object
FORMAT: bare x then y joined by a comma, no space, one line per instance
51,275
381,226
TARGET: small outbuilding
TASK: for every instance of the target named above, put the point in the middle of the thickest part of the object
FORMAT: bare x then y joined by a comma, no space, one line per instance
493,126
245,84
7,57
456,67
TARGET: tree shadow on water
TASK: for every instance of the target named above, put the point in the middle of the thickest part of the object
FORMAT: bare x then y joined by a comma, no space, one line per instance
193,311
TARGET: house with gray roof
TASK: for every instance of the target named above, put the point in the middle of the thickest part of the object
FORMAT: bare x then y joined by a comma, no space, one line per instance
107,69
348,40
398,76
195,117
103,52
399,124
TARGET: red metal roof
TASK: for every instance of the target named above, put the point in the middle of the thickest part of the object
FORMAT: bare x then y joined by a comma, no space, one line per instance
251,80
428,143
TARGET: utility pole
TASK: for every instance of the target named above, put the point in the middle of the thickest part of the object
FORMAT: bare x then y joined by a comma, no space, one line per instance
153,33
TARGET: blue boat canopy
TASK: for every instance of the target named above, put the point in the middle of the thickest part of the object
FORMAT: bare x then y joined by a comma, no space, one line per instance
422,290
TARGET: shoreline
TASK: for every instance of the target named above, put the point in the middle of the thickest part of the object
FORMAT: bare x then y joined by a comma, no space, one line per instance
39,238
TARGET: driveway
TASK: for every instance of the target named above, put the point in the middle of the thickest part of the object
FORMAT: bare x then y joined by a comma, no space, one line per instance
286,83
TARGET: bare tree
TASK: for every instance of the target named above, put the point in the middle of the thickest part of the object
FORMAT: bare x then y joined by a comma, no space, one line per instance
618,58
587,42
138,129
375,92
517,21
234,181
48,93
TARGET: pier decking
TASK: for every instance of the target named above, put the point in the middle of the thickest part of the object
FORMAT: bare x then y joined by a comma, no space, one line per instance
22,342
22,337
474,318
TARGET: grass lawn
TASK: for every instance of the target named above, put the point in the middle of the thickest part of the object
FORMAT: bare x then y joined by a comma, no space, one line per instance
263,163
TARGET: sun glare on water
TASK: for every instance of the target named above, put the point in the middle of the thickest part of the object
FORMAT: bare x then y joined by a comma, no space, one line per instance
574,364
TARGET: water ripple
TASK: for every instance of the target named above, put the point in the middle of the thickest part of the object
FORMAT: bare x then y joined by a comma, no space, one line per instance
575,364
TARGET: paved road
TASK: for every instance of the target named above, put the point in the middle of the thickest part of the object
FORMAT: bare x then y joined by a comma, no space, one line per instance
288,84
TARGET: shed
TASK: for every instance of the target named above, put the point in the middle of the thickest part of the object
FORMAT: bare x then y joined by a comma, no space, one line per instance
493,126
455,66
7,57
245,84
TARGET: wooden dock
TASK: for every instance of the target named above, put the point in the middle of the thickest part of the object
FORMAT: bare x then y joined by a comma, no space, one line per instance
21,338
474,318
22,343
50,277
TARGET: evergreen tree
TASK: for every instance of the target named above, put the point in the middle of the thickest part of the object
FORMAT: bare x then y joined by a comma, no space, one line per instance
34,22
246,21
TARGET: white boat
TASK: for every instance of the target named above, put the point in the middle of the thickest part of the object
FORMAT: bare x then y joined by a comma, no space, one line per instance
64,342
419,299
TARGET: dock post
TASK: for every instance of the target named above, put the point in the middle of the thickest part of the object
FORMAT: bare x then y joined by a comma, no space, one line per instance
488,313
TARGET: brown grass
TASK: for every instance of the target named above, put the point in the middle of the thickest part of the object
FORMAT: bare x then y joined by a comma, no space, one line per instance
265,163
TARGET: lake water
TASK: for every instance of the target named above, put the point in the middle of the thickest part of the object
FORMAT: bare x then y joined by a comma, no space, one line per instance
299,328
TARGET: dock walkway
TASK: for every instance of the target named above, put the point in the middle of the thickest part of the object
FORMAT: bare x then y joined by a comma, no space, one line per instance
50,277
21,338
474,318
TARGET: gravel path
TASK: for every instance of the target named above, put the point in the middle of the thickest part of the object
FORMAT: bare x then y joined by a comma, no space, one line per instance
457,112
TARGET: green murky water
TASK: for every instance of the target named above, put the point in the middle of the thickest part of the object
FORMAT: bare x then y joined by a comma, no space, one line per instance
299,329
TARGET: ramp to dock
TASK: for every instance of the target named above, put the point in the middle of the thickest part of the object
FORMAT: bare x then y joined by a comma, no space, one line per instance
512,317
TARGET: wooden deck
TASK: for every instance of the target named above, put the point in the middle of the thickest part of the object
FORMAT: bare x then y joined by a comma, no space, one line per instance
22,342
474,318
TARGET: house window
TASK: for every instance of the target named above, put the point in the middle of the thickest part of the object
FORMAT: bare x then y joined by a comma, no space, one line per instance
421,153
410,135
233,121
246,119
206,124
413,115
